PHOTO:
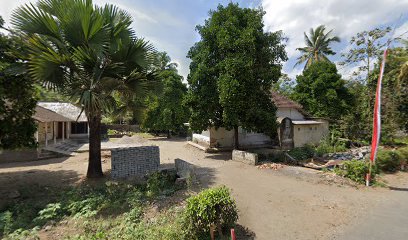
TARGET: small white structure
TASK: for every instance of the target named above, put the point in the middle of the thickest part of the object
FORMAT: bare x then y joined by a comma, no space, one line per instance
296,129
59,120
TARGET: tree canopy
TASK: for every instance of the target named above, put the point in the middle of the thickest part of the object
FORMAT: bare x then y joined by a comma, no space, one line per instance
88,53
322,92
317,46
17,96
232,70
166,111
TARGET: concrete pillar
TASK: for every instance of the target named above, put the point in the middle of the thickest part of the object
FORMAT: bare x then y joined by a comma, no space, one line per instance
63,131
68,129
37,138
46,134
54,133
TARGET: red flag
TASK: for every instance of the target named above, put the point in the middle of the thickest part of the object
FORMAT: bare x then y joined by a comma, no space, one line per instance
375,141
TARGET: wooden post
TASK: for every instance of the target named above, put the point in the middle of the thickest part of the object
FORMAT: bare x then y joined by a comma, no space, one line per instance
68,129
46,134
63,131
54,133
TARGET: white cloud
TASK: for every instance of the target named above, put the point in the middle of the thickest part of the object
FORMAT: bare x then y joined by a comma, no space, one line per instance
346,17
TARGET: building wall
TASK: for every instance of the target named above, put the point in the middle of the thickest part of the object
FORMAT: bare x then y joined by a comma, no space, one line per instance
222,137
290,113
202,138
309,134
41,132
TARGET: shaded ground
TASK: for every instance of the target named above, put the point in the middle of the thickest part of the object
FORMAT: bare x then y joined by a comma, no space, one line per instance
291,203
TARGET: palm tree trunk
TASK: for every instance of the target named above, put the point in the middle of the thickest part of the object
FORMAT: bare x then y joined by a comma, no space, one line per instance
95,164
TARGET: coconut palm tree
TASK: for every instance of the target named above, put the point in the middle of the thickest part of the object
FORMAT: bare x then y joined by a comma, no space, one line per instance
88,53
317,46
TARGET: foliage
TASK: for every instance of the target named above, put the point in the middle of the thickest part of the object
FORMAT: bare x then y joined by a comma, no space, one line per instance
166,111
322,92
356,124
88,204
356,170
211,207
327,145
388,161
88,53
232,70
317,46
17,97
302,153
284,86
366,46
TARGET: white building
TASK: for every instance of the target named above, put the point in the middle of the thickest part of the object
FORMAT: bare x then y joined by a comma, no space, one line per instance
296,128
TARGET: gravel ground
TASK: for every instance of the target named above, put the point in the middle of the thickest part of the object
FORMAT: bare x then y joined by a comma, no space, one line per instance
288,203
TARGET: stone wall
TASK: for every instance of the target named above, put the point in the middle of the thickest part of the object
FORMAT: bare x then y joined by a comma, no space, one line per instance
134,161
184,169
245,157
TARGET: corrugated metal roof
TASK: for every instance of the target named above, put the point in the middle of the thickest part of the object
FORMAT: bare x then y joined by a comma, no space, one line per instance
68,110
45,115
305,122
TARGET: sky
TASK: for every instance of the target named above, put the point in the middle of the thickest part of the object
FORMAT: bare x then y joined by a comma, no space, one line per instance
170,24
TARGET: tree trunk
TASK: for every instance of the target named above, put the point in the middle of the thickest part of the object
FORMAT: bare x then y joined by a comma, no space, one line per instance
95,164
168,134
236,141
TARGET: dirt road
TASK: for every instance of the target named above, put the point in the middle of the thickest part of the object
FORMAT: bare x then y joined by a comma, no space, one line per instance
290,203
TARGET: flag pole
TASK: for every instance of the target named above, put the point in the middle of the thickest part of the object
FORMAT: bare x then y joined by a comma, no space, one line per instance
375,140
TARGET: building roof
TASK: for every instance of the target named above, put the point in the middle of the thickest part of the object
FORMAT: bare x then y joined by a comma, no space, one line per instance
281,101
306,122
67,110
45,115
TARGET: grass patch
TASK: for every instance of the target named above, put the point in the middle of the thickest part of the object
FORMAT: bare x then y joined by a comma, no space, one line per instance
99,206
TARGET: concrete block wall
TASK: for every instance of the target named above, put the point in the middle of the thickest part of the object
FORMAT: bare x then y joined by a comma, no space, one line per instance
134,161
245,157
185,169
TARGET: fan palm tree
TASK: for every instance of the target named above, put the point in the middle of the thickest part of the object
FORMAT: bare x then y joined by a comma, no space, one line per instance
317,46
88,53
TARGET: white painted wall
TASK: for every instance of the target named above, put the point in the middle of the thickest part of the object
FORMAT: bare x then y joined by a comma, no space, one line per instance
309,134
291,113
202,138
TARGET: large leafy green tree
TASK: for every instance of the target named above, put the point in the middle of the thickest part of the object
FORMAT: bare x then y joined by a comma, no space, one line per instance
232,70
88,53
17,96
317,46
322,92
166,111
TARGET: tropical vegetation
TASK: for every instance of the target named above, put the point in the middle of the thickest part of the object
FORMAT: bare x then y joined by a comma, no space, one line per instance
232,71
317,46
88,53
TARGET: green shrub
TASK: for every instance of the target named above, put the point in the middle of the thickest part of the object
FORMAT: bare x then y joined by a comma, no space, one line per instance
211,207
51,212
302,153
403,152
356,170
161,183
6,222
388,161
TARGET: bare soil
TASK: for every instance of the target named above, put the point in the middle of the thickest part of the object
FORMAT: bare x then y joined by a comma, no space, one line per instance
288,203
